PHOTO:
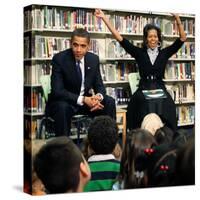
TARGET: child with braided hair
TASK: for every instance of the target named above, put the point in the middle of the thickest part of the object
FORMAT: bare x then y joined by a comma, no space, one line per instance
134,161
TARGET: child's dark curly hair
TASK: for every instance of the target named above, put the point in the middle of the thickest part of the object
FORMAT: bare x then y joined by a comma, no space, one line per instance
103,135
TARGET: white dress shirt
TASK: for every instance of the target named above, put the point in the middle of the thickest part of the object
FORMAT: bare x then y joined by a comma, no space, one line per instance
153,53
80,98
82,67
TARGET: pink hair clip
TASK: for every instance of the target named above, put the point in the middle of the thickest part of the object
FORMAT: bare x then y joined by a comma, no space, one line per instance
149,151
164,167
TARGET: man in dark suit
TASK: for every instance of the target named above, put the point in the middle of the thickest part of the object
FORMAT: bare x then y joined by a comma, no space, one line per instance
76,85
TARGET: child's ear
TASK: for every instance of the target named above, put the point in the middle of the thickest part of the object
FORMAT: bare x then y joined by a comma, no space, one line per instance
84,169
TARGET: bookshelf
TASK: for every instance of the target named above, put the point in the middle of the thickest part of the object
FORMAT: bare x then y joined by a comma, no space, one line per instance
47,31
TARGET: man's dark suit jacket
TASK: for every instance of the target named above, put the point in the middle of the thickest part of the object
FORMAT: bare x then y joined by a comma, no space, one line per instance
65,85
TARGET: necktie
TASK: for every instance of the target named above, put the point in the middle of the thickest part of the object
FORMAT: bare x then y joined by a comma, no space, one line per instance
78,68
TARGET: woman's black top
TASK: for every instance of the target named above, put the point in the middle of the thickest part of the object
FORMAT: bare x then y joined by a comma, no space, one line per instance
151,77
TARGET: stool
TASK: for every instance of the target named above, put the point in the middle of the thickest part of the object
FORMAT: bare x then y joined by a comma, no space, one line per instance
121,113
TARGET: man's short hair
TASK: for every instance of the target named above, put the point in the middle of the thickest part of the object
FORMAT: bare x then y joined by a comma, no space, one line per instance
80,32
103,135
57,164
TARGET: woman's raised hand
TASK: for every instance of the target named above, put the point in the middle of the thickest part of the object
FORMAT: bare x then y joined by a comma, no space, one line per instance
99,13
175,15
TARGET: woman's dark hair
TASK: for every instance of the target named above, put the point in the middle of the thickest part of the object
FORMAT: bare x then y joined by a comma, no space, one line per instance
146,29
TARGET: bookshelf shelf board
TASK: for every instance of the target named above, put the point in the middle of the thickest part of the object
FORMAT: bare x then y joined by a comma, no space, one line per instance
182,59
115,82
34,113
192,16
116,59
112,59
37,59
185,102
178,80
164,14
132,34
121,106
186,124
48,30
75,136
60,30
176,36
32,85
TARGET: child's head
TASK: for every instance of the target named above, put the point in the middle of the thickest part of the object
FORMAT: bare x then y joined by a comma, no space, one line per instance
161,168
181,137
152,122
61,166
164,135
185,165
135,155
37,186
103,135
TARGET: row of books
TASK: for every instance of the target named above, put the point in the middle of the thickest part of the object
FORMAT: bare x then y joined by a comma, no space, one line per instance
171,27
32,73
134,24
34,129
68,19
182,92
185,114
115,50
59,19
180,71
45,47
118,71
187,50
31,128
33,100
120,94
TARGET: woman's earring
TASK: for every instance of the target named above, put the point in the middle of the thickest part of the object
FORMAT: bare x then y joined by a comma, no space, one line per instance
159,44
